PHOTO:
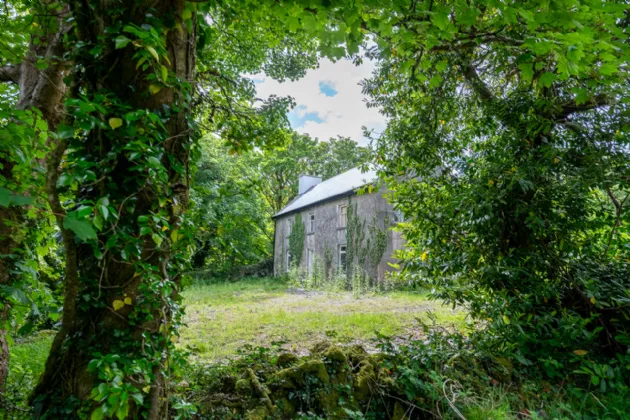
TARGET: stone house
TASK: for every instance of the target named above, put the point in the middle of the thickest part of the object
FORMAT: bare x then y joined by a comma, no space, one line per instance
326,208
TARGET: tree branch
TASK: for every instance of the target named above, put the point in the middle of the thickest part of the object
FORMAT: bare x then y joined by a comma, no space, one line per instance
478,85
572,107
618,212
10,73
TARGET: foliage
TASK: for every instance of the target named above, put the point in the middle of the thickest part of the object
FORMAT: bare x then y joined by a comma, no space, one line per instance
281,168
509,124
365,246
355,237
443,375
232,223
296,240
28,356
33,266
507,148
451,372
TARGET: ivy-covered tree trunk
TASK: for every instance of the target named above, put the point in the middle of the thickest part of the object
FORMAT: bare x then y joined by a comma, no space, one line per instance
41,89
125,154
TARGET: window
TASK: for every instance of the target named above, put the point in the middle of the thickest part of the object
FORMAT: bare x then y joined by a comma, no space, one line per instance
288,260
398,216
343,216
311,222
342,257
289,227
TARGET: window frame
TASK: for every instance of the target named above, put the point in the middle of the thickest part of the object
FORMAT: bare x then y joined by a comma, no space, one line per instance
342,250
343,215
311,222
289,227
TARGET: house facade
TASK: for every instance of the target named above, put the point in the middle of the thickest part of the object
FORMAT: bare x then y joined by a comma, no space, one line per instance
327,208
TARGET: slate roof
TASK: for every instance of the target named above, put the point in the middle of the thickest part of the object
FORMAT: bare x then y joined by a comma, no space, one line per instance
343,184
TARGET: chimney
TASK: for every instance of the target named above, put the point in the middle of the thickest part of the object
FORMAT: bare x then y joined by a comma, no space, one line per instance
307,182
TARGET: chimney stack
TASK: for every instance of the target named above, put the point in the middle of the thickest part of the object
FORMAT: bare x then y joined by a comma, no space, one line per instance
307,182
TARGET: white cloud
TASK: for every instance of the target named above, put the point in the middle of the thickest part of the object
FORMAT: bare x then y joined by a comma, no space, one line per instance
342,114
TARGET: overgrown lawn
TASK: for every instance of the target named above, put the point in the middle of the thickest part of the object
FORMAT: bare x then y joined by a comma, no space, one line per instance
224,317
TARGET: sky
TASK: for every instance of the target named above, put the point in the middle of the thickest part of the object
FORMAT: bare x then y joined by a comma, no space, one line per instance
329,101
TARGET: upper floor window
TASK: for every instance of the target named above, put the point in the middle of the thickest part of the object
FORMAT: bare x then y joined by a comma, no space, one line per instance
311,222
343,216
289,226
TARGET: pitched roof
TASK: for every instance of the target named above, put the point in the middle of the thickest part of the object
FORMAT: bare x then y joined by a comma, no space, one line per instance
343,184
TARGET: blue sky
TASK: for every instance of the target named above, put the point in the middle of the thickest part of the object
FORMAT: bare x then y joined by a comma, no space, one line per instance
327,88
329,100
298,117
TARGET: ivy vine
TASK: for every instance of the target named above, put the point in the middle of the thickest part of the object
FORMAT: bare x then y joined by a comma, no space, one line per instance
296,240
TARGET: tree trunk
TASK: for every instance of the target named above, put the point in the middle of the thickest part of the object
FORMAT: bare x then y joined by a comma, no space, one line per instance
44,90
133,270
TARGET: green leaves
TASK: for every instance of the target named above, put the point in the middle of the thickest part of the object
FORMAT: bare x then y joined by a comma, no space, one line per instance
440,19
121,41
546,80
8,198
435,81
530,149
81,227
153,52
14,294
527,71
114,123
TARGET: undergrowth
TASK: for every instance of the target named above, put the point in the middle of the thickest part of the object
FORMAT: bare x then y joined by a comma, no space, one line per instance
445,375
357,280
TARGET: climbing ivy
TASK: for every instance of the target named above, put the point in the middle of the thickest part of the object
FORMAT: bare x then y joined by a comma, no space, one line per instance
296,240
355,234
377,244
365,245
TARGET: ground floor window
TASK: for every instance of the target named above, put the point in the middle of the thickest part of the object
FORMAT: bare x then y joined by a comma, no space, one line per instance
288,260
342,257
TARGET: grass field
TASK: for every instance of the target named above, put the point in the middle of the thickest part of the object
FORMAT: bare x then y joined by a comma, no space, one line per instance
223,317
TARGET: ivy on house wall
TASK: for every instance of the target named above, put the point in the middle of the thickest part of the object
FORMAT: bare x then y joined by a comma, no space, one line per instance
355,234
296,240
377,244
365,245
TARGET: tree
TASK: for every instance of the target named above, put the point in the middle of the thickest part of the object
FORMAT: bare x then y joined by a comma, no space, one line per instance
27,114
231,218
281,168
119,155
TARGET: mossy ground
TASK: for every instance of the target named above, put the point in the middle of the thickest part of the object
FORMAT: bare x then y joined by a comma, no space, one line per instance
223,317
